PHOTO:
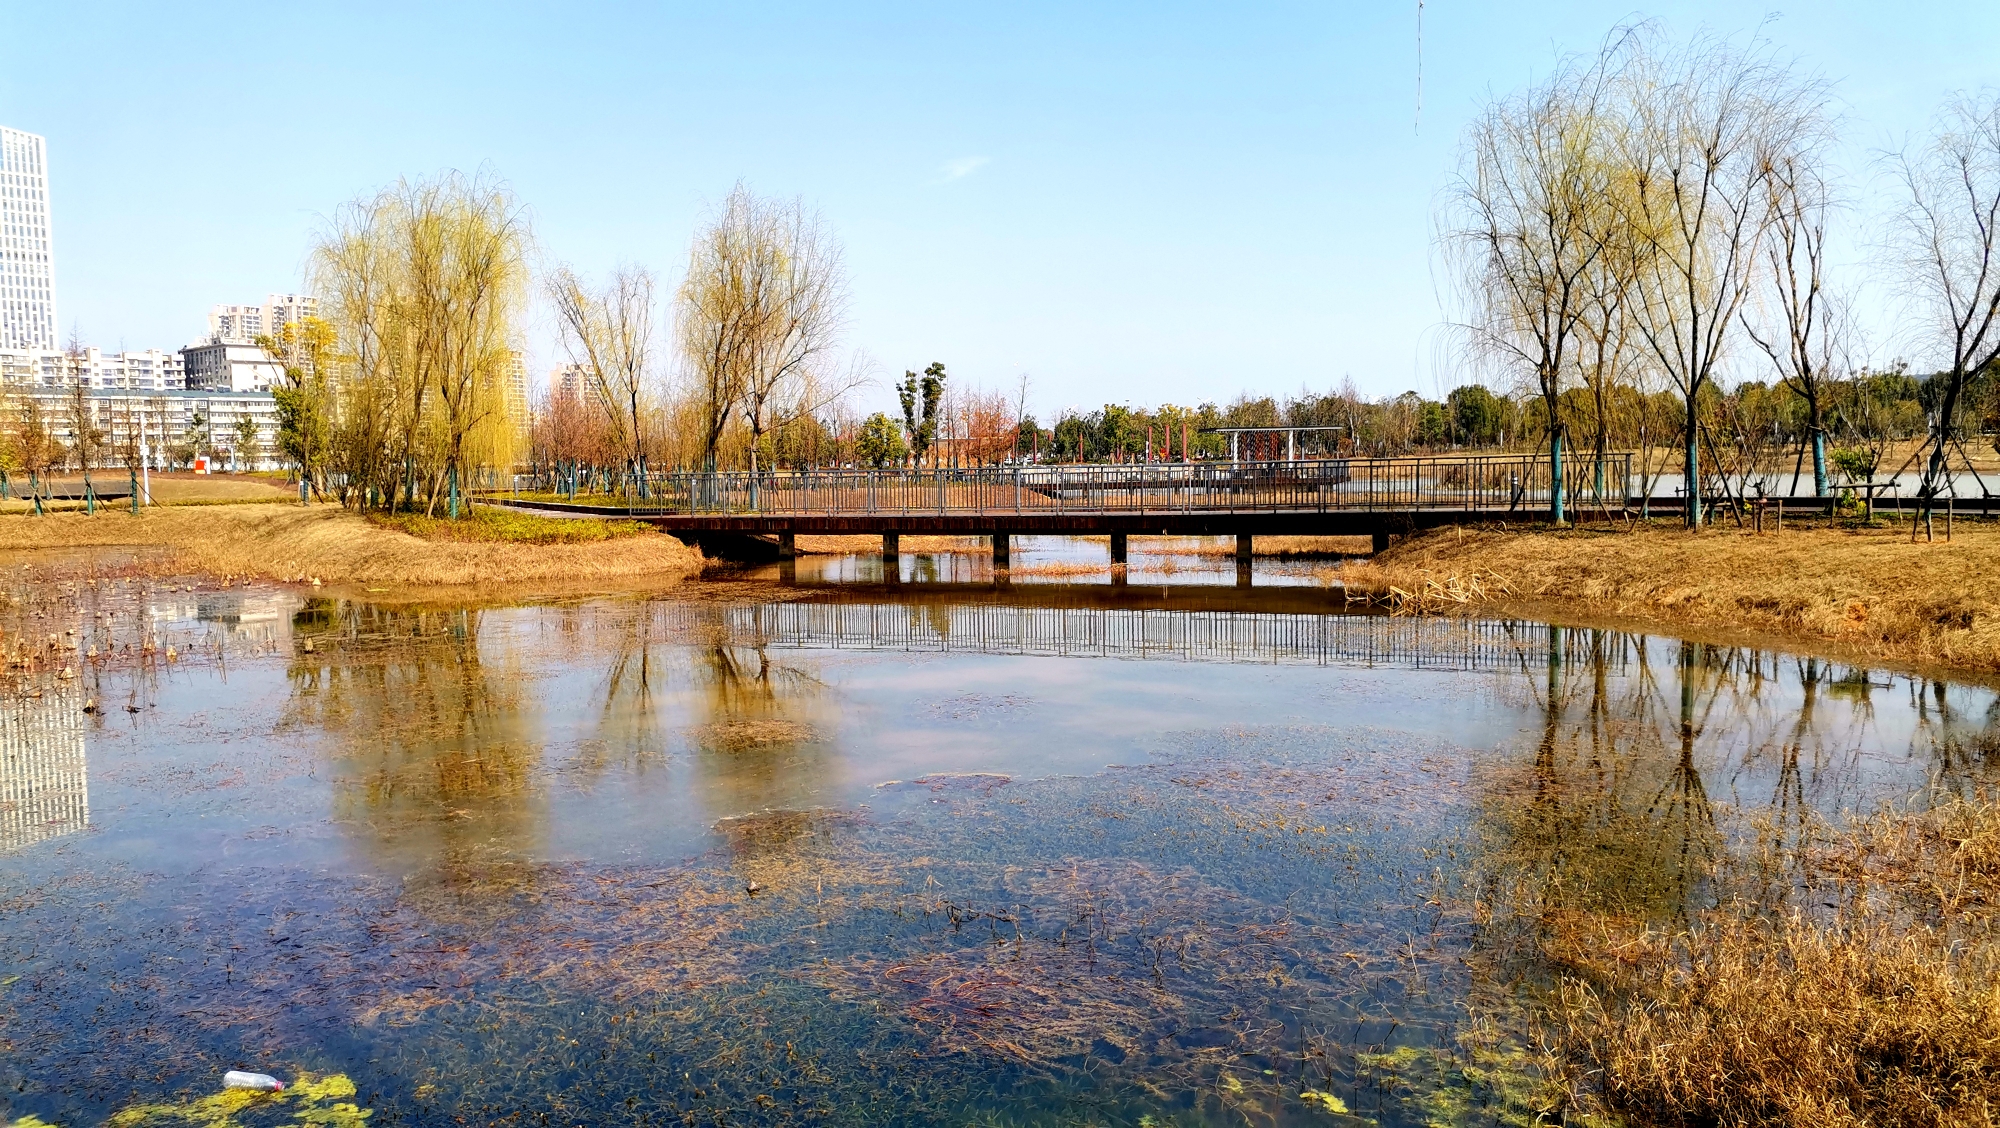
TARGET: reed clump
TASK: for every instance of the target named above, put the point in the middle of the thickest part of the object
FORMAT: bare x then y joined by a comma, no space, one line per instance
1863,589
329,544
1867,991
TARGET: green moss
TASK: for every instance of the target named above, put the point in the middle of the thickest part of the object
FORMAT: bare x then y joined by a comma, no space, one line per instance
307,1102
1500,1086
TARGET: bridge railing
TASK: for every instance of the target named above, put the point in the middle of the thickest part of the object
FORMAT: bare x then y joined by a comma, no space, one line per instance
1189,636
1498,483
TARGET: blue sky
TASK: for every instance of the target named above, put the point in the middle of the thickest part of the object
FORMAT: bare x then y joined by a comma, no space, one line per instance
1126,203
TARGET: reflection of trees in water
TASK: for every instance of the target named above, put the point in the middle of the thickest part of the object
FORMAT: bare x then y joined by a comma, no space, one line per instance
1611,812
629,731
433,750
762,734
1964,746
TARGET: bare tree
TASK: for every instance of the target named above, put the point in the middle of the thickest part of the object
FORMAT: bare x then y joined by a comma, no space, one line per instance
1804,336
609,336
721,303
1709,122
1950,235
761,310
85,437
1525,224
1606,358
789,374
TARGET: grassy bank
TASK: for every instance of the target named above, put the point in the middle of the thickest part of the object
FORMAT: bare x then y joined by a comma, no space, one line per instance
1863,989
334,546
1862,591
490,525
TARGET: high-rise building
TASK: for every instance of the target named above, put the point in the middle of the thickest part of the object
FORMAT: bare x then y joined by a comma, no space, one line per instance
248,322
27,262
514,386
568,380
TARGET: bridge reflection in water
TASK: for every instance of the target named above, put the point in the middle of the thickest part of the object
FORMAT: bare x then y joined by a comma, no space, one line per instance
1147,633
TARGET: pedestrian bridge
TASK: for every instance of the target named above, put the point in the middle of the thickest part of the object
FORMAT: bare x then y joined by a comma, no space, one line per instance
1325,497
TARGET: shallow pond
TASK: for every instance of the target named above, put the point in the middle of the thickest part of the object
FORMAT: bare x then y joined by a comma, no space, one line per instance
775,848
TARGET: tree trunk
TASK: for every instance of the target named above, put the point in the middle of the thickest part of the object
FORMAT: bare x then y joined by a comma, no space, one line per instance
1556,475
1691,469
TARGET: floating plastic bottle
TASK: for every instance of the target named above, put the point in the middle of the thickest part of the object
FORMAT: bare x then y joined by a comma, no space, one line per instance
263,1082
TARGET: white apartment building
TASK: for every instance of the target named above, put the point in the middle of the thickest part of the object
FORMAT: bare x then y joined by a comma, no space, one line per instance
33,368
228,364
248,322
176,426
148,371
27,260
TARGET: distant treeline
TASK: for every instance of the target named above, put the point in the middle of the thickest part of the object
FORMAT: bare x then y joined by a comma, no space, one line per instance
1753,421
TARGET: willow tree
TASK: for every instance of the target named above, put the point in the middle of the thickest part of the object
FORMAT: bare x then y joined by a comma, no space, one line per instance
1803,325
304,399
424,285
609,337
368,411
1950,236
1708,123
1525,224
760,312
465,244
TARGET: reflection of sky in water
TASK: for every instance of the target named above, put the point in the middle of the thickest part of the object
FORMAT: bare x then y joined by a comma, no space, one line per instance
284,832
602,730
1057,559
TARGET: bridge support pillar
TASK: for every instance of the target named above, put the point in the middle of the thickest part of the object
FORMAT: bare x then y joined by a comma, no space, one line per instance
787,550
1001,550
1381,540
1243,550
1118,550
892,558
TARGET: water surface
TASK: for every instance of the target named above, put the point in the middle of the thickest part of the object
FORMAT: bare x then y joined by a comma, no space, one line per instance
848,852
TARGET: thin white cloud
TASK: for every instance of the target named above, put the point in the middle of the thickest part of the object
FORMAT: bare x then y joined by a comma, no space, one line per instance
959,169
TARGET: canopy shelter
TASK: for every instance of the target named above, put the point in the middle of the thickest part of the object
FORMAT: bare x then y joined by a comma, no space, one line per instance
1263,437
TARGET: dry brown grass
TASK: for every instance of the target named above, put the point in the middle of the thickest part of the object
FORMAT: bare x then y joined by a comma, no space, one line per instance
168,489
333,546
1863,590
1870,994
1281,548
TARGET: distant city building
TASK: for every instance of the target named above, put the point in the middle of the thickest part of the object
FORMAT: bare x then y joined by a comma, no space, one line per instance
32,368
514,388
229,364
148,371
568,380
27,258
176,426
249,322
